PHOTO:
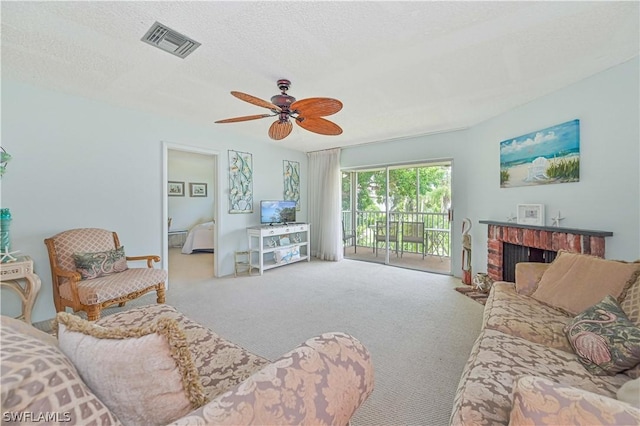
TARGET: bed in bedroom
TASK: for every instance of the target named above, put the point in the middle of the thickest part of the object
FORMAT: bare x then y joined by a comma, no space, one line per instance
199,239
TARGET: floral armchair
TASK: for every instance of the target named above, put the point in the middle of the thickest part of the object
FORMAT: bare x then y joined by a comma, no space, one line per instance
90,272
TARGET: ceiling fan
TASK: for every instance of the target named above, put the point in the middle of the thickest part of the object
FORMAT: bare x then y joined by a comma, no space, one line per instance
307,113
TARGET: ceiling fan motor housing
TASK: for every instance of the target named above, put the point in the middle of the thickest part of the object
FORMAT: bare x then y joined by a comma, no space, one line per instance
283,101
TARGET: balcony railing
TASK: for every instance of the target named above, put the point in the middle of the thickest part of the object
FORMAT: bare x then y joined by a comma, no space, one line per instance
436,229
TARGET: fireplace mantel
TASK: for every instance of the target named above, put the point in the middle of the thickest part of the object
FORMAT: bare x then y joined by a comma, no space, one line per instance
541,238
590,232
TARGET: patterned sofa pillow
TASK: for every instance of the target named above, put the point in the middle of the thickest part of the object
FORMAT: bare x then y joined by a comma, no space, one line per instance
100,264
604,339
631,306
39,384
152,380
543,402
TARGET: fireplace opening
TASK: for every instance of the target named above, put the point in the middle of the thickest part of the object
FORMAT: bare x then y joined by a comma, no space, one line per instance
509,243
512,254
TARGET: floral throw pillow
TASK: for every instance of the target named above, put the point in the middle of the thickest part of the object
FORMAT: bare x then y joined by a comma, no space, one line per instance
100,264
604,339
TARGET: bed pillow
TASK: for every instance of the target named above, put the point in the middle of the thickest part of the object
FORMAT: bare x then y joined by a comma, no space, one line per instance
145,375
573,282
604,339
100,264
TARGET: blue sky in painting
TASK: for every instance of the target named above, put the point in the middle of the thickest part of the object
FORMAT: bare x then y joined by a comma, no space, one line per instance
557,141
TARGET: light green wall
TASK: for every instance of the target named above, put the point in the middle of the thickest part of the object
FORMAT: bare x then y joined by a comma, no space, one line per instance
607,196
82,163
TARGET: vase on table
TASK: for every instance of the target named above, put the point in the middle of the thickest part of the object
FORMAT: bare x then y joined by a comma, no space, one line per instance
5,237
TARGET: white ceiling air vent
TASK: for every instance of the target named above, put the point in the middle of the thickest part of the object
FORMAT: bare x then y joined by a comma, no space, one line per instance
171,41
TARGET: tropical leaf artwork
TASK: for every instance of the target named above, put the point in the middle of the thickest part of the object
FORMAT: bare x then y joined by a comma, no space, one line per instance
291,172
240,182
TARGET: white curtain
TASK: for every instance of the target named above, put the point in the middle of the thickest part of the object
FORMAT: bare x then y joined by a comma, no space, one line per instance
325,205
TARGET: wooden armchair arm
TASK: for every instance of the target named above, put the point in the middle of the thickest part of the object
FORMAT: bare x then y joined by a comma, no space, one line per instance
72,278
149,258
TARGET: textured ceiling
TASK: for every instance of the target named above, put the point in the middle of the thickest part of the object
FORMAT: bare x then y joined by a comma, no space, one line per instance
400,68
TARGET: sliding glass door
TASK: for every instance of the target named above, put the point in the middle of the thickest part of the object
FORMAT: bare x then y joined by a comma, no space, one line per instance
399,215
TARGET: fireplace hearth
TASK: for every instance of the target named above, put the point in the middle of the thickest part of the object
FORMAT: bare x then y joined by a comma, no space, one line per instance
509,243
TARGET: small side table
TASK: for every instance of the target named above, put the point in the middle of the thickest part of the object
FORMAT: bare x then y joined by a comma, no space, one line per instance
12,273
242,261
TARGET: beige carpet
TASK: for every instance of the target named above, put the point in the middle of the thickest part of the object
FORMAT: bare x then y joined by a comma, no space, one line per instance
418,329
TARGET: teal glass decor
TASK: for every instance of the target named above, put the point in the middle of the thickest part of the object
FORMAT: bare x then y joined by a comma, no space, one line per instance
5,222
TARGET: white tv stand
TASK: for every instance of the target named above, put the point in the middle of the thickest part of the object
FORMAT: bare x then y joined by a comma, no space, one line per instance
266,240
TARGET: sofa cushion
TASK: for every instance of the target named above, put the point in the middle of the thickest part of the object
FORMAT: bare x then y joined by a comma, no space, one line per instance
498,359
528,276
539,401
24,328
220,363
630,302
100,264
630,393
510,312
98,290
605,341
631,306
573,282
145,374
38,380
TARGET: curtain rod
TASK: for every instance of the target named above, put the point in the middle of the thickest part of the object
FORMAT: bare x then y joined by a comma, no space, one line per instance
326,149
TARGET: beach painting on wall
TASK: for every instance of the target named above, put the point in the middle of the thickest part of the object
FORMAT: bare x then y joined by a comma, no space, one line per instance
551,155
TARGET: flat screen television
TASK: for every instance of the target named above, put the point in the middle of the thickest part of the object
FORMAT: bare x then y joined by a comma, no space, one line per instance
274,212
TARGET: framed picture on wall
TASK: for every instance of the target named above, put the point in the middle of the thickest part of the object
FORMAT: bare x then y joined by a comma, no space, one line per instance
197,189
531,214
175,189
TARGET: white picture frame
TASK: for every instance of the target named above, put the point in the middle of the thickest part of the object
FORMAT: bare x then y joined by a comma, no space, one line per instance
530,214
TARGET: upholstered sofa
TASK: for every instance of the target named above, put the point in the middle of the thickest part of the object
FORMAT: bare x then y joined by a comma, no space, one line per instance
533,363
152,365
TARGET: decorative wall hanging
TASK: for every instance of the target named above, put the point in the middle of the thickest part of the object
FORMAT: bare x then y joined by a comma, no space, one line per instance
5,157
551,155
197,189
175,189
291,171
531,214
240,182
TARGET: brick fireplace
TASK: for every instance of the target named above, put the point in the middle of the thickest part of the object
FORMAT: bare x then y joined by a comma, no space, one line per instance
509,243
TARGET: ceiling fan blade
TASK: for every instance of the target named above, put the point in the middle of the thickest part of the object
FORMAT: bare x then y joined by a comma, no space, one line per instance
245,118
280,129
256,101
319,125
316,107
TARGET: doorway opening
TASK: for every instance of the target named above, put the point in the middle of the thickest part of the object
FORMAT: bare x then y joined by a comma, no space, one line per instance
190,206
400,215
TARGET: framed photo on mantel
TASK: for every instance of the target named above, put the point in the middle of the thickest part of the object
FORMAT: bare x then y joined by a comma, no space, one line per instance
530,214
